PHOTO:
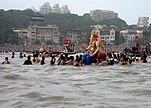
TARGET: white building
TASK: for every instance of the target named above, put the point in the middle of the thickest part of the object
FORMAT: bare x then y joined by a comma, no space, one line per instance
143,21
108,36
98,15
45,9
56,8
65,9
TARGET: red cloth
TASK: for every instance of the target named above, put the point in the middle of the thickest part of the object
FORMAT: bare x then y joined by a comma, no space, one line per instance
136,37
101,55
67,42
138,45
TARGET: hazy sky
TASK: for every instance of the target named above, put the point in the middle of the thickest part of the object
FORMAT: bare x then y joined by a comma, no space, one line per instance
128,10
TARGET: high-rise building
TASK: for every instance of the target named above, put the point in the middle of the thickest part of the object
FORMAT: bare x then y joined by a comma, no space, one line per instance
56,8
98,15
143,21
65,9
45,9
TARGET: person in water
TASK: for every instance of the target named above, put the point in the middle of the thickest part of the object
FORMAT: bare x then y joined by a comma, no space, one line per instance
43,60
71,60
61,60
53,60
6,61
94,47
144,58
13,54
76,61
28,61
124,59
21,55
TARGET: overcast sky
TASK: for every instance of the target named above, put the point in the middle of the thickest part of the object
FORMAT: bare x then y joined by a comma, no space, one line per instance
128,10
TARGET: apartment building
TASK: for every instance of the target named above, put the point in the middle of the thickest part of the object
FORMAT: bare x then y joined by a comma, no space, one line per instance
46,8
143,21
98,15
76,36
41,34
108,36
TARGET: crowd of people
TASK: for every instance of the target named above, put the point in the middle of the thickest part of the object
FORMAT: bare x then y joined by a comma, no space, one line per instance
95,53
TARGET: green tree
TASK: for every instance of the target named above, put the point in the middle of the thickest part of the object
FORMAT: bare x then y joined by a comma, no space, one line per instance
8,36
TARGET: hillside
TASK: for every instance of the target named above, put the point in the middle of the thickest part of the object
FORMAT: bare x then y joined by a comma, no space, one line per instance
18,19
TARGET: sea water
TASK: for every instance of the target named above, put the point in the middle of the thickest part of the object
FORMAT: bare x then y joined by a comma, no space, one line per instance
46,86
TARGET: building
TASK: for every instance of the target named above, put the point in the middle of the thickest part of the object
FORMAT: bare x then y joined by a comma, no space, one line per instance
40,34
76,36
108,36
22,34
56,9
130,35
143,21
65,9
45,9
43,34
98,15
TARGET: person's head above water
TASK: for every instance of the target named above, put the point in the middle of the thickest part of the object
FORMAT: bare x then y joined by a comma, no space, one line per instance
28,57
6,58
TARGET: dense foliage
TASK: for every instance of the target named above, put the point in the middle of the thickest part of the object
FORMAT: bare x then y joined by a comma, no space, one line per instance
8,36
